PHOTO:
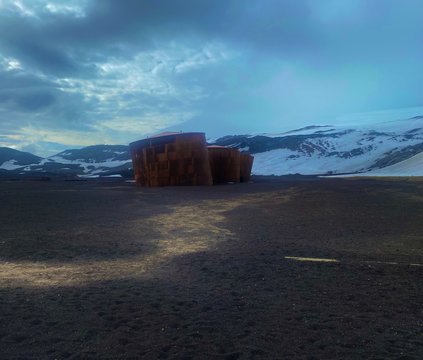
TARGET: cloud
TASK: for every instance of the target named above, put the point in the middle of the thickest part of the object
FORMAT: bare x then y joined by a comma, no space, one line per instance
111,70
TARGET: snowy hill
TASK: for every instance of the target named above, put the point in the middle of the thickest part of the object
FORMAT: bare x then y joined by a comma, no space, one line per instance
89,161
313,150
410,167
94,153
11,159
332,149
96,159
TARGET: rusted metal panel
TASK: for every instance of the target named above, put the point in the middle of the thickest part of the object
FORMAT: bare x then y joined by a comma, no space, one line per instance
246,167
171,159
224,164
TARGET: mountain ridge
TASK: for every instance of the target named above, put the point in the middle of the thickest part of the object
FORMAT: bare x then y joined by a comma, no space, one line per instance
334,150
310,150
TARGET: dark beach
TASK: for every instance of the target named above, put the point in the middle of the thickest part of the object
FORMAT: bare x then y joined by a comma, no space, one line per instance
281,268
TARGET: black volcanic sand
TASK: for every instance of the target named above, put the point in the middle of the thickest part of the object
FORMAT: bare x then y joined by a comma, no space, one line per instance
108,270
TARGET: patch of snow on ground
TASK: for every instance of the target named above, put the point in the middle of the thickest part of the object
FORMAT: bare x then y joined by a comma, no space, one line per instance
10,165
44,161
374,141
88,176
91,167
285,161
410,167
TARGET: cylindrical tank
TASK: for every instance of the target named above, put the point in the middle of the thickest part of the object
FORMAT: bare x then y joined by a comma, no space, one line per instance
246,167
171,159
224,164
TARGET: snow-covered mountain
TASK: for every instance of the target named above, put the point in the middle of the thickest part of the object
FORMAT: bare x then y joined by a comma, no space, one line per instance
332,149
11,159
410,167
89,161
394,146
96,159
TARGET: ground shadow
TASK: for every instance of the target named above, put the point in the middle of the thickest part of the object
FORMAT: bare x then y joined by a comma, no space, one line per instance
240,298
222,306
58,222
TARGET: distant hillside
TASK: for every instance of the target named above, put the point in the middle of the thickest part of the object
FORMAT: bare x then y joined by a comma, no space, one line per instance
89,161
332,149
410,167
95,153
11,159
312,150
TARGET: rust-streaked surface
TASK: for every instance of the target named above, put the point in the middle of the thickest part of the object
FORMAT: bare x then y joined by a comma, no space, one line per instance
171,159
246,167
225,164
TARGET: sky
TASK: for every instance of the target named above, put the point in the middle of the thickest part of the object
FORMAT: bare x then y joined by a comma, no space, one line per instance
81,72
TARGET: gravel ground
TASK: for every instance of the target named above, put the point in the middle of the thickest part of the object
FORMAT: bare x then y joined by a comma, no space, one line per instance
281,268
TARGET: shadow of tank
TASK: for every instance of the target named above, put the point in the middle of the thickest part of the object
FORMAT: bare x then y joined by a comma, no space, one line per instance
246,167
225,164
170,159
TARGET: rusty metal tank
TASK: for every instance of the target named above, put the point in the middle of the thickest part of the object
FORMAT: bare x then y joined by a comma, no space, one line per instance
171,159
224,164
246,167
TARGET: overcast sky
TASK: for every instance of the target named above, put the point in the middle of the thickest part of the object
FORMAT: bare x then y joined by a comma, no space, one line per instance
82,72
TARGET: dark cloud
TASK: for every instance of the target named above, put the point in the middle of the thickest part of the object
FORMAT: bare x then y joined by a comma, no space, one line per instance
45,57
232,64
14,80
24,93
28,98
291,28
32,101
52,42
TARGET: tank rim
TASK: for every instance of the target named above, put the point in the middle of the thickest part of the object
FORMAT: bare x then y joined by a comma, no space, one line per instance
158,138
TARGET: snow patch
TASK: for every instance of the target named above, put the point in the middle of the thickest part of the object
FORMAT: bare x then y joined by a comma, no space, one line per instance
345,151
10,165
410,167
90,166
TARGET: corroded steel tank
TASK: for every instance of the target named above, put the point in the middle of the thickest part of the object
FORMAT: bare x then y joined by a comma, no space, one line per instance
246,167
171,159
224,164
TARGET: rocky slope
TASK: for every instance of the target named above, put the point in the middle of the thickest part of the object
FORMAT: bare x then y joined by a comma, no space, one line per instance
89,161
313,150
332,149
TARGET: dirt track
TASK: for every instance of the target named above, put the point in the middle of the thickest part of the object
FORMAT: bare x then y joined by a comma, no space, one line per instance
108,270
